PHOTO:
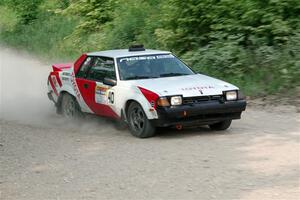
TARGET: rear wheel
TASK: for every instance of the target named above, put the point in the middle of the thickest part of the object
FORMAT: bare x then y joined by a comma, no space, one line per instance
139,124
220,126
69,107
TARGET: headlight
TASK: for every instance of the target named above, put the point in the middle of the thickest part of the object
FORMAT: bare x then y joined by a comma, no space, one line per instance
176,100
231,95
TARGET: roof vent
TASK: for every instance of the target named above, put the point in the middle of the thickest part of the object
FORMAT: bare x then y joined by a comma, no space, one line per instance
137,47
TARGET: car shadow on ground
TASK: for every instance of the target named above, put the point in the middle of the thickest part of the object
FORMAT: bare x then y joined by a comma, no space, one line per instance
161,132
171,132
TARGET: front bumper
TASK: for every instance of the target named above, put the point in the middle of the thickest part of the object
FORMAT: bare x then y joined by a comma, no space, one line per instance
203,113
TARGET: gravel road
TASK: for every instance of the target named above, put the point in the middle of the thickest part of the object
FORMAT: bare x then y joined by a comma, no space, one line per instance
44,157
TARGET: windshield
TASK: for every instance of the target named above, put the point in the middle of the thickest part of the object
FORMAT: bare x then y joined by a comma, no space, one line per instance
151,66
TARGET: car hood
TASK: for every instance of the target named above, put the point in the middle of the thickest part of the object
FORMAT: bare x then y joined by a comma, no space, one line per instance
187,86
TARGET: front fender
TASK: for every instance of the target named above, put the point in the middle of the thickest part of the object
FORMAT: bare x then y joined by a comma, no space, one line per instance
126,95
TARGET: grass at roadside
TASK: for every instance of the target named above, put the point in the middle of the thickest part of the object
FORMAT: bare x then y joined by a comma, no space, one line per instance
46,37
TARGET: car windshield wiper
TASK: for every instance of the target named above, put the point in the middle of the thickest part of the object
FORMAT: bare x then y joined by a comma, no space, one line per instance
139,77
172,74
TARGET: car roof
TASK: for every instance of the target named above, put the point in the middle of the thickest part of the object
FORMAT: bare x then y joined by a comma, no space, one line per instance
125,53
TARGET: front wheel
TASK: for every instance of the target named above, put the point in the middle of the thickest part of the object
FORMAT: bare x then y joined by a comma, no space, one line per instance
139,124
221,126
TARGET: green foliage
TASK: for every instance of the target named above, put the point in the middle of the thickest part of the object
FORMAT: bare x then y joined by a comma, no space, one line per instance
94,13
131,24
9,18
253,43
265,69
44,36
193,24
27,10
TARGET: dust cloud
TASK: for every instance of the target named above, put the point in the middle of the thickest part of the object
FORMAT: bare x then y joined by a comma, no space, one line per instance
24,92
23,88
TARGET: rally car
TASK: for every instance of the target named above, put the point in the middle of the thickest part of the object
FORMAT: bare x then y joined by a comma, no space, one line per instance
143,89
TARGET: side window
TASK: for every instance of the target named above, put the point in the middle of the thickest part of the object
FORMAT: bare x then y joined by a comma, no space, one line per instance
82,72
101,68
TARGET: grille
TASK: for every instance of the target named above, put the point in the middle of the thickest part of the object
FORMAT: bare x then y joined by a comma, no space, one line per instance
199,99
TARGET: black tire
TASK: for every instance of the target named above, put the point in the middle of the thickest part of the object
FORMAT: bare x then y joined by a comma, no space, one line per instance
220,126
138,123
69,107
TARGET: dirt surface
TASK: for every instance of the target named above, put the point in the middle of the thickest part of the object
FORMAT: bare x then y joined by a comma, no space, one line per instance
43,157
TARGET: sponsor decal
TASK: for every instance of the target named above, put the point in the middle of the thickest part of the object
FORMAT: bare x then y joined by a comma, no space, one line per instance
76,90
146,57
65,78
199,88
101,94
66,74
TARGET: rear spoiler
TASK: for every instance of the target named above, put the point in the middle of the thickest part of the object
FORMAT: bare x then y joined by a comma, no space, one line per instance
61,67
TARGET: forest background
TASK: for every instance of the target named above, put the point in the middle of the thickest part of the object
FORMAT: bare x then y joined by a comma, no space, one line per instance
252,43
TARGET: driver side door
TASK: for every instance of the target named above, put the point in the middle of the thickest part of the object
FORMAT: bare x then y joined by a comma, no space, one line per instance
90,79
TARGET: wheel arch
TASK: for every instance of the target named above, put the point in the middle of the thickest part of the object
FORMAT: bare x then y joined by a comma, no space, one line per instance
142,101
127,104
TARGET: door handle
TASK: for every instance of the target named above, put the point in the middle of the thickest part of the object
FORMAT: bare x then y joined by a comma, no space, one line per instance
85,85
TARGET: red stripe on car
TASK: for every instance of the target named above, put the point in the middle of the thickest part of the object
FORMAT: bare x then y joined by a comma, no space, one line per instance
56,73
52,85
152,97
78,62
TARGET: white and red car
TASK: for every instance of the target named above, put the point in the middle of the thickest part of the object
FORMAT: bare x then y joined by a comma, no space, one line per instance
144,89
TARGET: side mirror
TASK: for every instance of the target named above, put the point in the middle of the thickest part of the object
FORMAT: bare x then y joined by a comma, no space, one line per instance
109,81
